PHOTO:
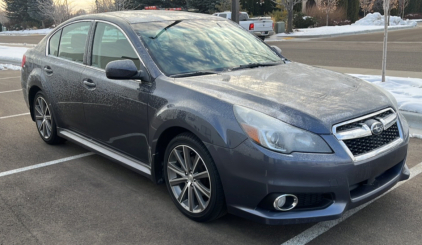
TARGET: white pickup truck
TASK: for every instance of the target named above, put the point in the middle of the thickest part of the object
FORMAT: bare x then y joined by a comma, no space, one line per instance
261,26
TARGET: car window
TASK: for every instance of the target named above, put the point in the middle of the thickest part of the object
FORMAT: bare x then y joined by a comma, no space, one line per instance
54,43
243,17
73,41
202,45
110,44
223,15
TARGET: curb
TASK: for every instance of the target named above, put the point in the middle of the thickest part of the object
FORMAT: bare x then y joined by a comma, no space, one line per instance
414,120
344,34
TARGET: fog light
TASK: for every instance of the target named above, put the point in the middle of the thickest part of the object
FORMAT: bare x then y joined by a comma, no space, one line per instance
285,202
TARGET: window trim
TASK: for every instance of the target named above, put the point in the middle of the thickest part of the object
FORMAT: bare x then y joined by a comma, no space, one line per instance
61,28
91,46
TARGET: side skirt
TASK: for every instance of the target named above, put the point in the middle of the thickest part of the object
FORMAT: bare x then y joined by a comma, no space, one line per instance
107,152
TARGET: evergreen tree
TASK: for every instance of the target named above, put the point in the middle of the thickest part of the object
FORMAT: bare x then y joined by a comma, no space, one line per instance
203,6
353,10
17,12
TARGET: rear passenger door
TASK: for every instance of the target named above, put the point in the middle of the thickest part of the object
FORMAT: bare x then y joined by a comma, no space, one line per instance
63,67
115,110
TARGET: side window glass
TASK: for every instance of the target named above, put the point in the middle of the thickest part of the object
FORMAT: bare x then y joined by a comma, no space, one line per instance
109,45
54,44
223,15
73,41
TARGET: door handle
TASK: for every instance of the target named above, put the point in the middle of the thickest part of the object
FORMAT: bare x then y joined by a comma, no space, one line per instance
89,83
48,70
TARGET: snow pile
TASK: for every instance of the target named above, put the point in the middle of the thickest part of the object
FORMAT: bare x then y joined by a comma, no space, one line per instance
27,32
407,91
9,67
418,136
12,54
376,19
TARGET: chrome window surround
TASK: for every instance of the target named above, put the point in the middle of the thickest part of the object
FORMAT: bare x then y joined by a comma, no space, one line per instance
364,131
89,66
61,28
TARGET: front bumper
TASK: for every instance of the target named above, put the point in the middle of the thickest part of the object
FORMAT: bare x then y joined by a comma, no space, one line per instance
250,172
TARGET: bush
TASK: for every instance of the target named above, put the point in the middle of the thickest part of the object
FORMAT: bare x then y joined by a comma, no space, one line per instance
279,15
338,17
302,21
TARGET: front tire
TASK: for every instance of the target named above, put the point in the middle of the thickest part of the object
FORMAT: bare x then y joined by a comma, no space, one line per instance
44,120
192,179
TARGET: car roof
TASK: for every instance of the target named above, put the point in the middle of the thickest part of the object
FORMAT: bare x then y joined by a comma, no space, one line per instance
142,16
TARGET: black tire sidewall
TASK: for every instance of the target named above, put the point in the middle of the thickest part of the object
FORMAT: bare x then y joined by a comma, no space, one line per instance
209,211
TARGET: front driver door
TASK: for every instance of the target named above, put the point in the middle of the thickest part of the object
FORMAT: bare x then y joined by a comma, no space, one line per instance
115,110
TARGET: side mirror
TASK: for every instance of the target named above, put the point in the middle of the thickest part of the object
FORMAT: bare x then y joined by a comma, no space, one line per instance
124,69
276,49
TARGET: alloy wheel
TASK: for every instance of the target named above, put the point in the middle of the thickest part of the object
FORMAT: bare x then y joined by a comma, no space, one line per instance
189,179
43,117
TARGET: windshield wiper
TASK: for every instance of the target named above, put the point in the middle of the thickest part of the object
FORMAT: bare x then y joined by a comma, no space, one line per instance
165,29
254,65
196,73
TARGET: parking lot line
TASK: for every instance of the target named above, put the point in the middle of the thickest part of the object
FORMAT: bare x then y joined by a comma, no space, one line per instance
322,227
3,78
17,115
19,170
10,91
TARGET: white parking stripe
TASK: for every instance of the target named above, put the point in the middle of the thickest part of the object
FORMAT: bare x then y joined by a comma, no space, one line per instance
322,227
19,170
3,78
10,91
18,115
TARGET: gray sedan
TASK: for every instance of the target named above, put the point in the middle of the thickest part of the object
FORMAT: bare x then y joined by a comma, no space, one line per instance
223,119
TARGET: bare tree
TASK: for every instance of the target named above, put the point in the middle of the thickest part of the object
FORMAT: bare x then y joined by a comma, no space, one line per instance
366,5
58,10
288,5
102,6
402,6
392,4
327,6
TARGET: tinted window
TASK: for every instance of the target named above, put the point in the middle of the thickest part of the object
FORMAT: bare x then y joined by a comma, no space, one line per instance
73,41
54,43
243,17
223,15
110,44
202,45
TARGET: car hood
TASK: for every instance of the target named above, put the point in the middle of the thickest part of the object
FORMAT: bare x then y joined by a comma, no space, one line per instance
305,96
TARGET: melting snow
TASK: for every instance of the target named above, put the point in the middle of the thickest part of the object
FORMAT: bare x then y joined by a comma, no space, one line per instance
9,67
26,32
407,91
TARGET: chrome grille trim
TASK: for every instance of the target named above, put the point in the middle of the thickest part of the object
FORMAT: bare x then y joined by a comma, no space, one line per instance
364,131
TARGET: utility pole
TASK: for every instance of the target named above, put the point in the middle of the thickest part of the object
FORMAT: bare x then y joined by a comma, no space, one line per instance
235,11
384,50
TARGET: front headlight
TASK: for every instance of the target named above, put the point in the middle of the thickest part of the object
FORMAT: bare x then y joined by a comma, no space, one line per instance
276,135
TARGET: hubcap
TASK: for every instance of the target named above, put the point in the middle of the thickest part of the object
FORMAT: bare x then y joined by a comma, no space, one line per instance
189,179
43,118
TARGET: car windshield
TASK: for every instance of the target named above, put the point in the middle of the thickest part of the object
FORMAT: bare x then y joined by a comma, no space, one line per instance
198,46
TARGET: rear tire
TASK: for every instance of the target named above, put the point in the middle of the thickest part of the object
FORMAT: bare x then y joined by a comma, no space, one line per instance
194,185
44,120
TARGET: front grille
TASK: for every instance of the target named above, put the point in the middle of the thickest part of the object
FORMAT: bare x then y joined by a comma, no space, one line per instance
357,123
367,144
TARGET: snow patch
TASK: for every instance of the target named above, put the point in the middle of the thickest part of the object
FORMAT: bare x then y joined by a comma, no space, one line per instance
12,54
27,32
372,22
407,91
418,136
9,67
376,19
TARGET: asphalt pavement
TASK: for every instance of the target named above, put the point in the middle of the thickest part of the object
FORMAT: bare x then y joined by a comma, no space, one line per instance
86,199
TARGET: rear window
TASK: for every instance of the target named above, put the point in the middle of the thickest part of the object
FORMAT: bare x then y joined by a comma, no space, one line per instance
73,41
54,43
